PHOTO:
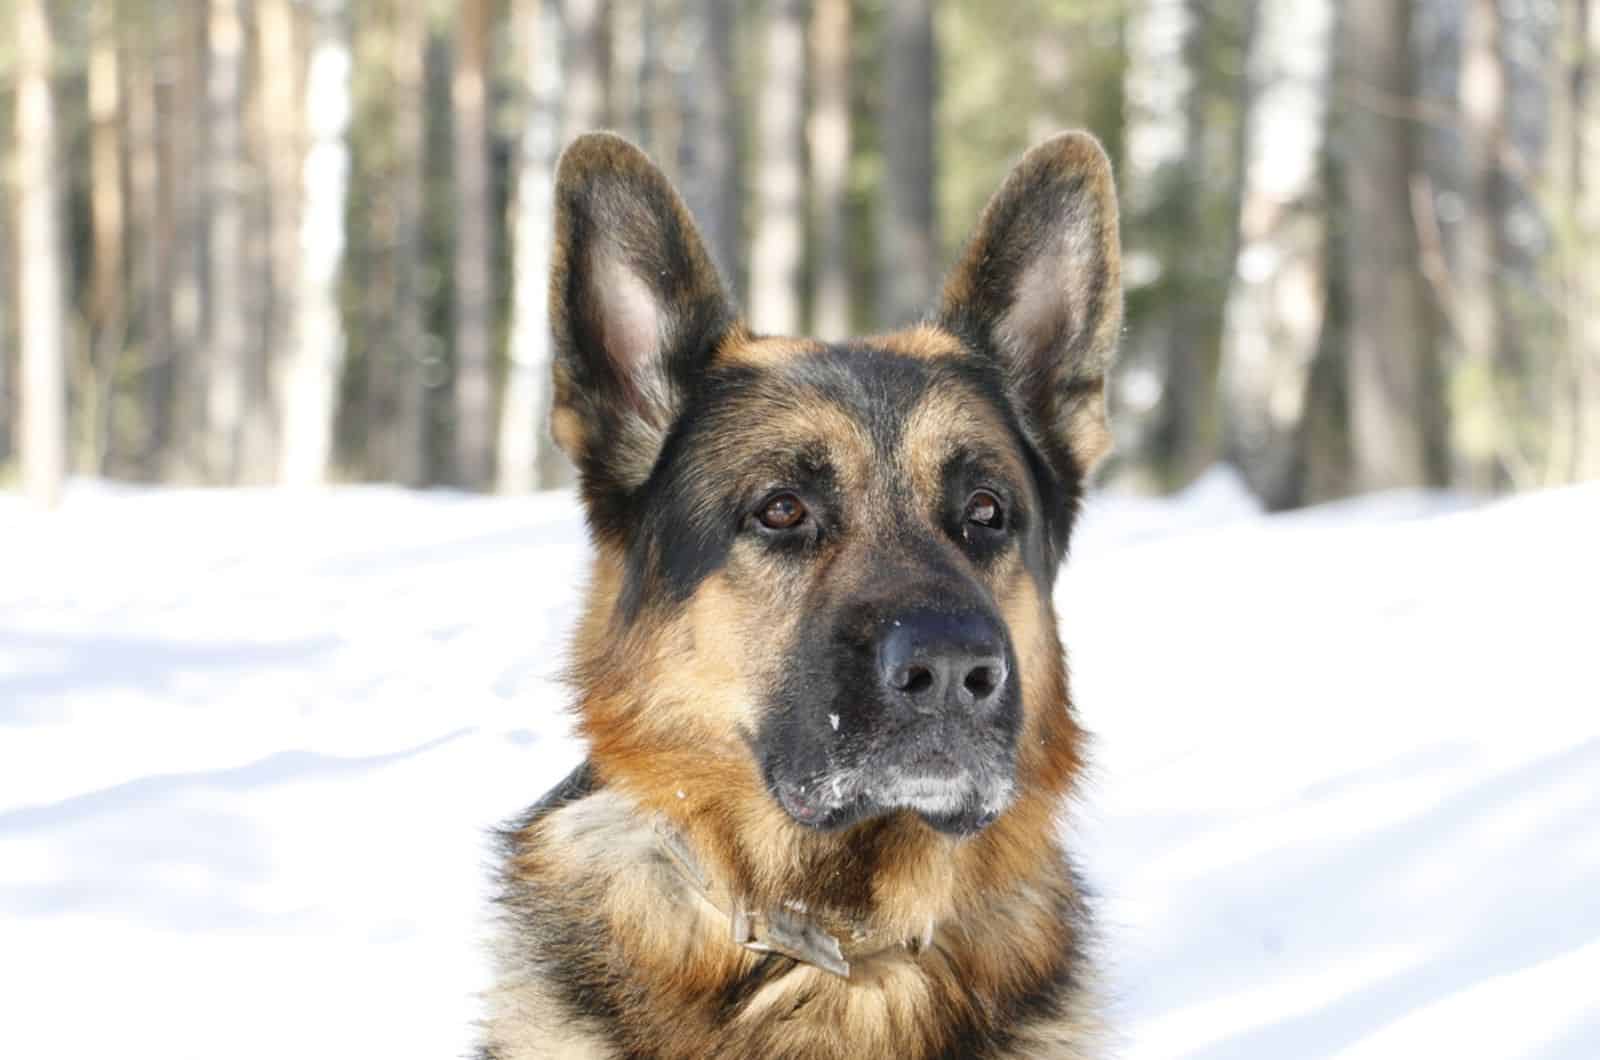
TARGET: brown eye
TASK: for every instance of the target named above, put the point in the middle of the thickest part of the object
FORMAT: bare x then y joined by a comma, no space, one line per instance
783,512
983,508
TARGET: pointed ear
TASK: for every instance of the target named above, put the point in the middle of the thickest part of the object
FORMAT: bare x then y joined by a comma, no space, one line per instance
1039,290
637,311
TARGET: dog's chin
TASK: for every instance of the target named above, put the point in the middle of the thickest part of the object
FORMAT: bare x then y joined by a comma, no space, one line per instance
957,802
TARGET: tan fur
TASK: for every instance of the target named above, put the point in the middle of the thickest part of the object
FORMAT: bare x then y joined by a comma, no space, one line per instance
601,851
671,695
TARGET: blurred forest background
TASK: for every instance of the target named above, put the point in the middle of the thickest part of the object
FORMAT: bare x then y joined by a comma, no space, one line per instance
297,241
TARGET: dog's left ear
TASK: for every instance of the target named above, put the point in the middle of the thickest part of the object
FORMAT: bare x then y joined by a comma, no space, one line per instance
637,311
1039,289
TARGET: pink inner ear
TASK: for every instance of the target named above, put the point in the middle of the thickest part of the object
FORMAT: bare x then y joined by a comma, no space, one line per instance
1039,320
1049,306
632,325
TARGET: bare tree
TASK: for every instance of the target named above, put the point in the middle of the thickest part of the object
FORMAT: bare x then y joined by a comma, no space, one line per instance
282,109
708,157
626,46
150,230
184,121
1276,306
1478,309
408,460
524,419
1171,412
312,375
474,383
225,381
587,52
1391,333
41,261
108,332
829,134
1050,56
1579,184
908,245
7,373
777,248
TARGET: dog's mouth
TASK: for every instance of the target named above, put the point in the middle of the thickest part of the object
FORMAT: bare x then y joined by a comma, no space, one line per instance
949,795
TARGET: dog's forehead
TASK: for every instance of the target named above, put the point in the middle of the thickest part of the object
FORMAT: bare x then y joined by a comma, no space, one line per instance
887,404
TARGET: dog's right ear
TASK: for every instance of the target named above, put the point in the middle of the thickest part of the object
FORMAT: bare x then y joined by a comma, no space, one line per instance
637,311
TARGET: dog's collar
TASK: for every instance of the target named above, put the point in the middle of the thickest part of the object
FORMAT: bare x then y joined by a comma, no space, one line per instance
788,929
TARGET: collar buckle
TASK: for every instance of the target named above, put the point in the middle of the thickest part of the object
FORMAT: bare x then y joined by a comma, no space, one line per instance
789,933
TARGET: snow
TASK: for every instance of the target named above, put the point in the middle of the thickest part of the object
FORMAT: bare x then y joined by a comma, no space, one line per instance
1345,799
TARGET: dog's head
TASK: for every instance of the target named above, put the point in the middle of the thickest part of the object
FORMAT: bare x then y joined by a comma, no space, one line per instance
824,569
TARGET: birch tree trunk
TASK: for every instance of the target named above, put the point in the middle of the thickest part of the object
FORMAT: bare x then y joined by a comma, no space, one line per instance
474,384
1050,56
105,164
282,111
408,462
41,261
830,168
778,243
7,373
108,326
1162,398
1276,306
1479,312
625,43
184,122
586,48
708,157
908,244
524,419
151,229
1584,313
1391,333
225,384
312,377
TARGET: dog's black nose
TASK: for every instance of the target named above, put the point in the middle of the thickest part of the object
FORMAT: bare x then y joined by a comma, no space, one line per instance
930,661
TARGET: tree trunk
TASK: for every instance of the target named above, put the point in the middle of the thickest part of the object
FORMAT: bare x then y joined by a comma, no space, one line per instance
662,81
41,261
7,372
1170,419
474,382
908,245
408,459
1480,435
1584,314
312,378
830,168
225,383
151,229
184,124
282,110
777,250
524,420
1391,336
1275,310
709,145
586,38
625,44
1050,56
108,330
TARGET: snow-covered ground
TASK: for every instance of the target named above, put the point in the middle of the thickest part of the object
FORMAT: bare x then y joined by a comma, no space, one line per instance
1346,798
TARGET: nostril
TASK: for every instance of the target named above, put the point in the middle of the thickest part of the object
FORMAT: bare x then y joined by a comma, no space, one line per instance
981,681
915,680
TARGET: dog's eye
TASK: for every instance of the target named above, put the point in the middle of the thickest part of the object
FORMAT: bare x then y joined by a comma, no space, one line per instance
983,509
783,512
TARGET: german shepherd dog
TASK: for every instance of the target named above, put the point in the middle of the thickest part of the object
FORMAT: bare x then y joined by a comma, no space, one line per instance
818,674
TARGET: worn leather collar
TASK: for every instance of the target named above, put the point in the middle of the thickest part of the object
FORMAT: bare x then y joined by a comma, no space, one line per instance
790,929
